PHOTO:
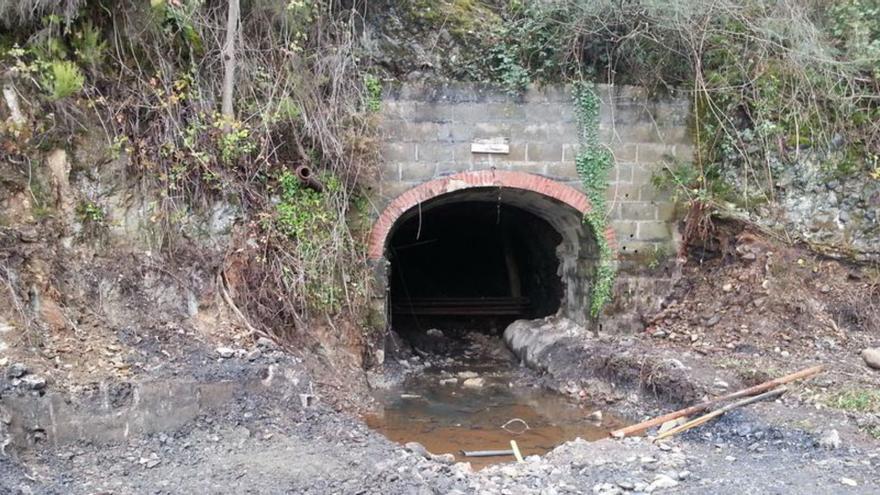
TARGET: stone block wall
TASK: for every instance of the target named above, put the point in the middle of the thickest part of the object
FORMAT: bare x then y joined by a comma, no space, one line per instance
427,133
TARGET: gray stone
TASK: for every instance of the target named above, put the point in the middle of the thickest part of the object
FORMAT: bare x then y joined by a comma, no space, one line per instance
225,352
830,440
417,449
871,356
662,481
474,383
16,370
34,382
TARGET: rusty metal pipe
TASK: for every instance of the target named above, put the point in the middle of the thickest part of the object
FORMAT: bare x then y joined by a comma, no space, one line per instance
307,178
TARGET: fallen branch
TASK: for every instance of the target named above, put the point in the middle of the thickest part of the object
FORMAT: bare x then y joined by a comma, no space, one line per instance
763,387
718,412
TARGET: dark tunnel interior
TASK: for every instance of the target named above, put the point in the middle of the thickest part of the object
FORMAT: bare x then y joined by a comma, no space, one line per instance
472,266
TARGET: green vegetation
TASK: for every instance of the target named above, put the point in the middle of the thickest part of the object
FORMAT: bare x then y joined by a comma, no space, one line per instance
150,79
90,212
856,400
593,163
373,88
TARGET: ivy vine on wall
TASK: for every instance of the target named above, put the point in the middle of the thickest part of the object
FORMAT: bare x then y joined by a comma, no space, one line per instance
593,163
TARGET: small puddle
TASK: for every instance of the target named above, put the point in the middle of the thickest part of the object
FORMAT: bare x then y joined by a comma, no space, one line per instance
451,418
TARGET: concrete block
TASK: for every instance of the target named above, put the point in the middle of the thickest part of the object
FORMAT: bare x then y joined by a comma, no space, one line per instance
637,133
684,152
665,211
488,130
452,168
644,174
624,229
487,112
653,230
544,152
564,170
396,131
530,167
549,112
636,247
396,111
675,135
623,173
637,211
420,172
397,152
653,153
570,151
624,152
389,170
626,115
456,133
671,113
434,152
650,193
390,190
438,112
622,193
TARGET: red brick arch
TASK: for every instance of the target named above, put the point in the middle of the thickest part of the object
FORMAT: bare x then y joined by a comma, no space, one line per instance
467,180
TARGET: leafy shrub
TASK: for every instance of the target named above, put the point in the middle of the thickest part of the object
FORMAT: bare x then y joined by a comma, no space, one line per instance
62,79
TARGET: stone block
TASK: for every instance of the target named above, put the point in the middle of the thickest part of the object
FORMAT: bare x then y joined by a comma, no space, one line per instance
418,172
653,230
622,193
397,152
624,229
396,131
624,152
644,174
563,170
457,133
438,112
675,135
530,167
489,130
671,113
549,112
390,190
651,193
637,211
487,112
665,211
452,168
389,170
434,152
684,152
626,115
570,152
623,173
653,153
637,133
544,152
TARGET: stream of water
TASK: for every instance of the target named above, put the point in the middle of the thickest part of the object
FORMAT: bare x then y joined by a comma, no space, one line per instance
448,417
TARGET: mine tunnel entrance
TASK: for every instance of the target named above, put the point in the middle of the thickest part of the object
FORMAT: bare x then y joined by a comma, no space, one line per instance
473,266
477,259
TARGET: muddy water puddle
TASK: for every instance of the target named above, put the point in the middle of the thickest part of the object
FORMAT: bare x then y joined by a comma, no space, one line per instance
451,418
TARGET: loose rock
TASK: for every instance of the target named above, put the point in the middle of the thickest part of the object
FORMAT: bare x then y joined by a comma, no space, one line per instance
474,383
871,356
225,352
830,440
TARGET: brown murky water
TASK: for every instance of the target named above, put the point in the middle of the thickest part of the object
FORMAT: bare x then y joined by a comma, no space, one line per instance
451,418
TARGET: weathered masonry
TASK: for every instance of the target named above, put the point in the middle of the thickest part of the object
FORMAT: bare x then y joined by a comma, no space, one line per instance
479,205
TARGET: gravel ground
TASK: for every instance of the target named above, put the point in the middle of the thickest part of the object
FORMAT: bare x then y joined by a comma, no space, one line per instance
267,443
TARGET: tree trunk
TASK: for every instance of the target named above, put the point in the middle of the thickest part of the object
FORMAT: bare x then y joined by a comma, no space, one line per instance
232,22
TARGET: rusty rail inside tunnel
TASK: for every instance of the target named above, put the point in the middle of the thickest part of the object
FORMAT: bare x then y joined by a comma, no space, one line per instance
463,306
